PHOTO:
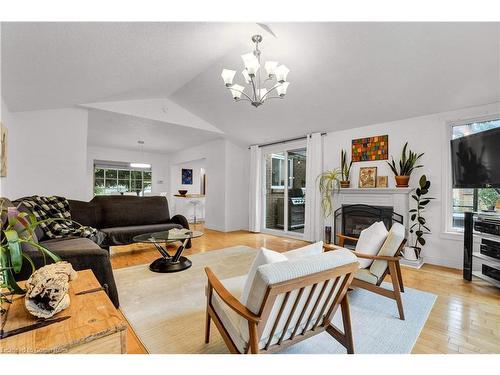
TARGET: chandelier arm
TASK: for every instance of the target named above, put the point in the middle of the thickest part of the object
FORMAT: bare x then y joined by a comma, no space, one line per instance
243,100
274,97
250,99
254,91
271,90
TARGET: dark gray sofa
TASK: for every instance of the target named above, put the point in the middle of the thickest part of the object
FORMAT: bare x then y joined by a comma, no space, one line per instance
120,218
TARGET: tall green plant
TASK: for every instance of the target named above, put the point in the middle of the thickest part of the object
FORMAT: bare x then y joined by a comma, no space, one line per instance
19,229
419,226
328,183
407,163
344,167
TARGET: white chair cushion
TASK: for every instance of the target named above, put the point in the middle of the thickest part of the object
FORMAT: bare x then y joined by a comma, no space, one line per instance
370,241
283,271
366,275
306,251
389,248
264,256
229,318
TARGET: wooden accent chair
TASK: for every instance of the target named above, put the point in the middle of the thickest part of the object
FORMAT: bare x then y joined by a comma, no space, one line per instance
384,263
289,301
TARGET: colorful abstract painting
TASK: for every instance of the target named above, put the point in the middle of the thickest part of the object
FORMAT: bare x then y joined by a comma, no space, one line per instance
187,176
372,148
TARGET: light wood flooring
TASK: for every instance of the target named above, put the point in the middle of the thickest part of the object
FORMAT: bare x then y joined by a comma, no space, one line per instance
464,319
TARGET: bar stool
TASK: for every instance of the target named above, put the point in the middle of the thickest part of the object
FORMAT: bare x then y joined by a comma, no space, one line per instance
195,203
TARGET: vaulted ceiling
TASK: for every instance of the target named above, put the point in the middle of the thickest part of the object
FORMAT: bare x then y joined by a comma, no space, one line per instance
342,74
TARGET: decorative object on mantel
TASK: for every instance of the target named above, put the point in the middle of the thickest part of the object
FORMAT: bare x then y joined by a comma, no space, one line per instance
18,233
419,226
369,149
406,166
367,177
47,289
259,93
382,181
345,169
182,193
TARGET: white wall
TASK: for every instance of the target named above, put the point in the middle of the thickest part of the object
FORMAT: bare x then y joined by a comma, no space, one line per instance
176,176
428,134
226,202
237,186
47,153
159,166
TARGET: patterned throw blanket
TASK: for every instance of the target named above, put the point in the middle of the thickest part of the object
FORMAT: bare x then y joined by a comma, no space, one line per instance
45,208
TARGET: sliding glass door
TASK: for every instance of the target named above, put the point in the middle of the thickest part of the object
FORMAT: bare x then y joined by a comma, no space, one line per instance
284,191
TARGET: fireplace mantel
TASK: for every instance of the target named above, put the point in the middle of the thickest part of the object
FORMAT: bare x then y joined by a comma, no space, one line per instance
375,190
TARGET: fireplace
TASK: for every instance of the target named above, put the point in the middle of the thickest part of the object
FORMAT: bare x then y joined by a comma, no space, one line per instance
351,219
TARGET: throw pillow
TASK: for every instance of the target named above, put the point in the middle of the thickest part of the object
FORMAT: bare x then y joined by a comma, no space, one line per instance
370,241
306,251
264,256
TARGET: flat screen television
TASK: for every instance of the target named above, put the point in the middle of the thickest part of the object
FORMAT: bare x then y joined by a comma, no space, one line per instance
475,160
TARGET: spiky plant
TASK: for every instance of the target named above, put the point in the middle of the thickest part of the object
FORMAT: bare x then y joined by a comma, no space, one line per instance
344,167
328,183
407,163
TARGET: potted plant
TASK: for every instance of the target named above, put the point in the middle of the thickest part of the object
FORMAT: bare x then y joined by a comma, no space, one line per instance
406,165
419,226
328,183
345,170
19,229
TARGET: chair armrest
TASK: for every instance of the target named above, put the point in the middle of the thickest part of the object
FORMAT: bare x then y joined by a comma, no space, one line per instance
342,239
375,257
229,299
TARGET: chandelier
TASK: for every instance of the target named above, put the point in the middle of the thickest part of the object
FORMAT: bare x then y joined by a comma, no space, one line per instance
275,78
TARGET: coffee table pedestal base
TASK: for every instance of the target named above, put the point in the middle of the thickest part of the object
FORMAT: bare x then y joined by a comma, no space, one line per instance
164,265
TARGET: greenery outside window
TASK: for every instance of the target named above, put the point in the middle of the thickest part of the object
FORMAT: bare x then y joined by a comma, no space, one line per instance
113,180
466,200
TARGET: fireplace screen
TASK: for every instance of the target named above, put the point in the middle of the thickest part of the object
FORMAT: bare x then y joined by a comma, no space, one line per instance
351,219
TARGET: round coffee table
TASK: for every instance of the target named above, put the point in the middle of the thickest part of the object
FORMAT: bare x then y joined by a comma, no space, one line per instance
167,262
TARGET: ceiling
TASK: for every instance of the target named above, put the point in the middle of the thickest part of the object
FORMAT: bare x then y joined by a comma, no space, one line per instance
342,74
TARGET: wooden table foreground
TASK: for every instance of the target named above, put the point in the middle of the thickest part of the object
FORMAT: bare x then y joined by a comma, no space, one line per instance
95,325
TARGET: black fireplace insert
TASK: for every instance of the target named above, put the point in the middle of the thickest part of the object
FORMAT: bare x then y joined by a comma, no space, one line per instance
351,219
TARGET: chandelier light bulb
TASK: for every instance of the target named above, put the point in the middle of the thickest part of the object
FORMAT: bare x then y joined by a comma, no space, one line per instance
246,76
236,91
281,89
270,67
251,63
281,72
228,76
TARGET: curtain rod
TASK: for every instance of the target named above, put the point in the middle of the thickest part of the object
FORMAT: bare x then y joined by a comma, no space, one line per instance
284,141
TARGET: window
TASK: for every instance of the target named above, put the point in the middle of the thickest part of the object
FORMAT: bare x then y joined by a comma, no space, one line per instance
465,200
116,178
278,171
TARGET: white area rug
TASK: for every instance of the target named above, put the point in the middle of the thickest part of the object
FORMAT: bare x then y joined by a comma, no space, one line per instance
167,311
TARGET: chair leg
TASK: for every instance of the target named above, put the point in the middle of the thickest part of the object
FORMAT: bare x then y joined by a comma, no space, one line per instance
400,277
207,328
346,321
253,341
395,286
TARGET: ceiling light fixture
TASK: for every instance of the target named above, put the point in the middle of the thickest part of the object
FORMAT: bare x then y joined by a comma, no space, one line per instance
140,165
275,78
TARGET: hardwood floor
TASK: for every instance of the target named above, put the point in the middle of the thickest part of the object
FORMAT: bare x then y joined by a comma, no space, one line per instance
464,319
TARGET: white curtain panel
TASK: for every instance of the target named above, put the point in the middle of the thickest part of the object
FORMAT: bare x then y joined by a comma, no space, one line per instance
313,230
255,189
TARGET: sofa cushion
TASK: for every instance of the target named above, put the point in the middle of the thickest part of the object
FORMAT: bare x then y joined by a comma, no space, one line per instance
370,241
124,235
70,243
389,248
40,235
85,213
306,251
365,275
122,211
264,256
